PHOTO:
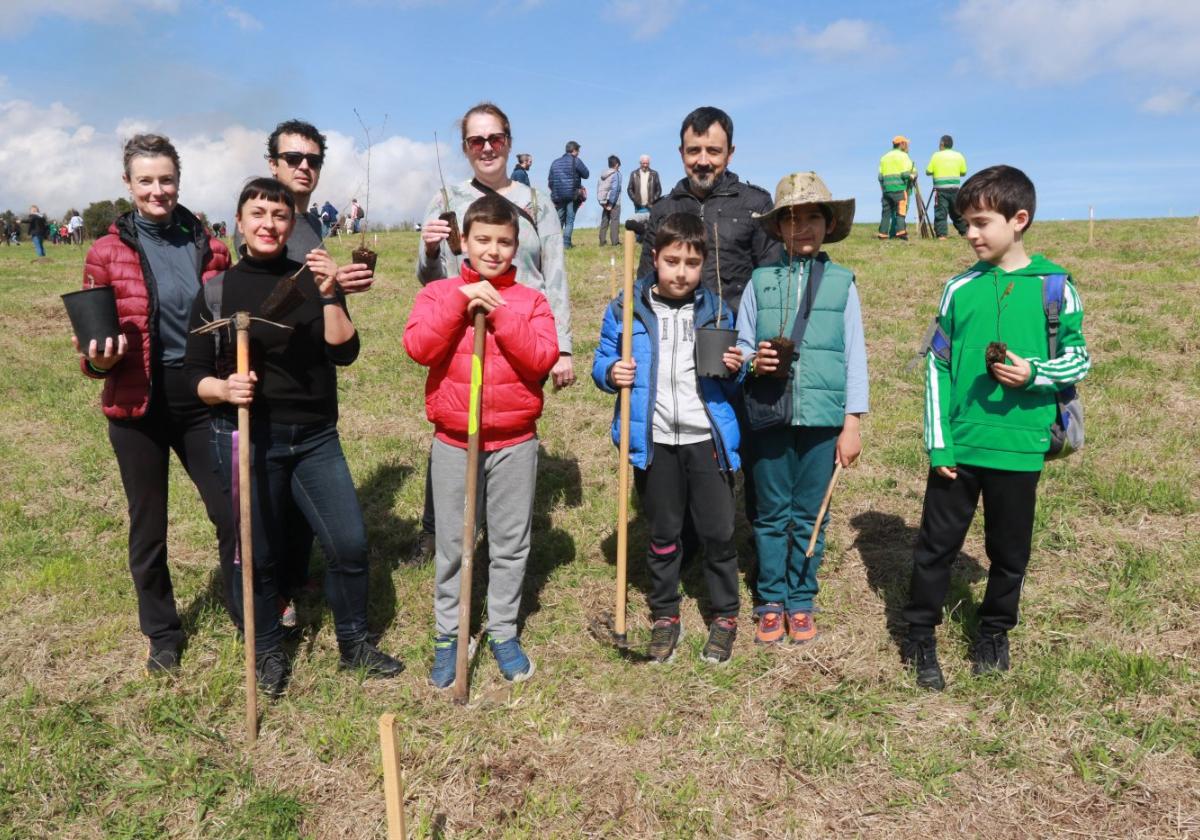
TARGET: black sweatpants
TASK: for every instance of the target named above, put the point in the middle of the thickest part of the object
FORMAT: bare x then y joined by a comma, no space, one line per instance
688,478
176,420
1009,499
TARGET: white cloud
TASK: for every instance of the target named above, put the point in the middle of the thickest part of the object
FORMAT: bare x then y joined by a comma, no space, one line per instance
1067,41
52,158
245,21
19,15
1173,101
646,19
841,38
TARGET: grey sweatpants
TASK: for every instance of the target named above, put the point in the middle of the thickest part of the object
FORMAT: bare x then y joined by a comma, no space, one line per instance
506,482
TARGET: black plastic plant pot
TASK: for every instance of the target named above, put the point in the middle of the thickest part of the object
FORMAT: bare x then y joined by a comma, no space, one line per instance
93,314
365,256
711,344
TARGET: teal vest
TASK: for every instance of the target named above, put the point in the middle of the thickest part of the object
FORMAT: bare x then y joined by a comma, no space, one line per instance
819,364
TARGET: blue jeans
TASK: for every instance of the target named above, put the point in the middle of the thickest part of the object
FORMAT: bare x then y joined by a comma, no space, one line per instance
566,218
40,248
305,464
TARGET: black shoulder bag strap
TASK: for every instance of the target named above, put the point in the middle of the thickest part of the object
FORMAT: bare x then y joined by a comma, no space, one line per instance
486,190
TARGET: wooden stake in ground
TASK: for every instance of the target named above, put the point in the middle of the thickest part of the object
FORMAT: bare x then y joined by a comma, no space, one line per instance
623,467
462,687
1091,225
241,324
393,778
812,541
612,277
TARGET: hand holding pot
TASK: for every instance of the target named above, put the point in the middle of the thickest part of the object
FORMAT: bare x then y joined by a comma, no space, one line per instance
355,278
433,231
766,360
105,357
732,359
1015,374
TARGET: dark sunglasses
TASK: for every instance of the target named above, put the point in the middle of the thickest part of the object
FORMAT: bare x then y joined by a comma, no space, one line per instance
294,159
496,141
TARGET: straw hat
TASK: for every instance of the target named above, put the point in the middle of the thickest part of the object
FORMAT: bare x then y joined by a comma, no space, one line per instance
808,188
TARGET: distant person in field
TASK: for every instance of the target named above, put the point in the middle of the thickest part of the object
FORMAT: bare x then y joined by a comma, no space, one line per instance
608,193
644,189
521,348
296,454
987,425
38,228
520,172
75,227
329,215
684,432
896,177
794,448
155,258
947,166
566,178
710,190
539,261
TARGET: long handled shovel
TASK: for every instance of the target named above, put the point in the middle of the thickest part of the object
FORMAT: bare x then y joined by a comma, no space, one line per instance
241,324
462,686
619,634
812,541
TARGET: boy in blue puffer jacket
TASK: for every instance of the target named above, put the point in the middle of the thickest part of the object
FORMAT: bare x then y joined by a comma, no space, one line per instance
683,431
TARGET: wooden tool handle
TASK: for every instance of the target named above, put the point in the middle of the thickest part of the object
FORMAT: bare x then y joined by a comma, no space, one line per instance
812,541
246,535
462,687
623,466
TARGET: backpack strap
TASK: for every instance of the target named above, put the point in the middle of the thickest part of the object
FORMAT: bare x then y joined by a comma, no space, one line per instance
1054,290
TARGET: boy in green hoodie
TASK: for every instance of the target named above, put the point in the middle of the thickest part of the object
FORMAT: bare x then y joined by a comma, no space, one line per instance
987,424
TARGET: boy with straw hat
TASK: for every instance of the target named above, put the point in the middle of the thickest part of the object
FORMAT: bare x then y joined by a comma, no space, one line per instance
800,333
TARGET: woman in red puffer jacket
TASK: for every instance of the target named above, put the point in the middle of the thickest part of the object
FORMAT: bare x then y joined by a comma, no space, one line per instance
155,258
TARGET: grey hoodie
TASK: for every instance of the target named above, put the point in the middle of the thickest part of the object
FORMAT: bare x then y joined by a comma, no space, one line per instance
679,415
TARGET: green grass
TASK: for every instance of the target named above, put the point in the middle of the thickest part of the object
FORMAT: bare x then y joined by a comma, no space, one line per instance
1093,732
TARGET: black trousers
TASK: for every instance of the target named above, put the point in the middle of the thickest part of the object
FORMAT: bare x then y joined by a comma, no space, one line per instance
1009,499
176,420
687,478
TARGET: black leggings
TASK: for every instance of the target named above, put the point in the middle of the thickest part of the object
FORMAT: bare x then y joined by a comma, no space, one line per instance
176,420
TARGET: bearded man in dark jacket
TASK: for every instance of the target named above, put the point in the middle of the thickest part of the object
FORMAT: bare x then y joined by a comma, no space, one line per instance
722,201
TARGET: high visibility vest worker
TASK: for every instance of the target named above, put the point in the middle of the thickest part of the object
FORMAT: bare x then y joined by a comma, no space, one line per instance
947,168
894,170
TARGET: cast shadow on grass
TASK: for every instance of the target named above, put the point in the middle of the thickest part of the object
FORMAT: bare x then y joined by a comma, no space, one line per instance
559,483
211,597
388,536
885,543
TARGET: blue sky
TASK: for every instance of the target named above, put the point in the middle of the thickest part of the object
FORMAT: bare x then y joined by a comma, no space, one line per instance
1097,99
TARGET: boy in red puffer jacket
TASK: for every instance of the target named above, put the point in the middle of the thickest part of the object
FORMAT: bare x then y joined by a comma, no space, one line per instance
520,350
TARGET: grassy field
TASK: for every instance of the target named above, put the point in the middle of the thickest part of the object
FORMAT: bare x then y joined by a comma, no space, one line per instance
1095,732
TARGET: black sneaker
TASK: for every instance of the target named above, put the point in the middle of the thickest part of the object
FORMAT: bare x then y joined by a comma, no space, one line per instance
719,646
271,666
362,654
162,661
664,637
990,654
921,655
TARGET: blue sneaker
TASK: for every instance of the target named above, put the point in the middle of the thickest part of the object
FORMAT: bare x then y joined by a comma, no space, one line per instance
445,655
515,666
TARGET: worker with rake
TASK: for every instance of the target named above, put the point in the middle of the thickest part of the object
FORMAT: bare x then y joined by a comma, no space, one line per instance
295,449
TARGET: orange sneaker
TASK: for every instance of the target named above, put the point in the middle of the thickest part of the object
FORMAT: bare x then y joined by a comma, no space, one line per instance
800,627
770,624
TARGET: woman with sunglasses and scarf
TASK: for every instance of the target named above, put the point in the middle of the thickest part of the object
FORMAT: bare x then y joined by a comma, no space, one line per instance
155,258
487,142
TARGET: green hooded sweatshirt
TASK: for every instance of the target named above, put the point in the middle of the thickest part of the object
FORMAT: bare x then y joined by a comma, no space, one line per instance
969,417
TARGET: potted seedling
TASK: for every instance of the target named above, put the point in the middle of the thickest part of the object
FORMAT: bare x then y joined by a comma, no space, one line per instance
784,347
363,254
712,342
997,351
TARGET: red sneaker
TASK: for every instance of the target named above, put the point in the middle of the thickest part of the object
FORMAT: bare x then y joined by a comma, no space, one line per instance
770,624
800,627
